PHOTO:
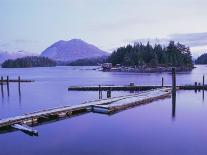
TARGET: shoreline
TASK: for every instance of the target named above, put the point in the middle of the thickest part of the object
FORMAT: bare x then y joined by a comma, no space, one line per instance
149,69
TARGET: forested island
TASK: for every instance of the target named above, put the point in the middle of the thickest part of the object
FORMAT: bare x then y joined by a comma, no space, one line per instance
152,58
202,59
29,61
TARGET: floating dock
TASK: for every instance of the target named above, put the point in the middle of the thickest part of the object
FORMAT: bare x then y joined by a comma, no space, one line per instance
132,88
111,104
142,98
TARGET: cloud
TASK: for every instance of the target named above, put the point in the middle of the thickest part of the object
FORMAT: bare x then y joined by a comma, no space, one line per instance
191,39
18,45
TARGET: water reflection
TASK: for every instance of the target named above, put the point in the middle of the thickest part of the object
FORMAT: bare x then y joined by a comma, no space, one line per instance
2,90
173,105
20,95
203,95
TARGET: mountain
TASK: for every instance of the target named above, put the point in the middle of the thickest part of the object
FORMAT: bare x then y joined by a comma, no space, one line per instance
202,59
4,55
72,50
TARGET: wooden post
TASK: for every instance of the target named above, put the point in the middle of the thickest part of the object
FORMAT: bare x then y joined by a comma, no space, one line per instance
7,84
196,85
173,80
162,82
173,92
109,93
19,88
99,91
2,88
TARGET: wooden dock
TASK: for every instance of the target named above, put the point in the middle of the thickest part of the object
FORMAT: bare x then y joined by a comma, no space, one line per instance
133,88
117,103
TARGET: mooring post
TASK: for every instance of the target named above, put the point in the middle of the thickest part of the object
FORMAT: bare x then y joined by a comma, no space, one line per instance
7,84
196,85
2,88
173,80
162,81
173,92
109,93
19,86
99,91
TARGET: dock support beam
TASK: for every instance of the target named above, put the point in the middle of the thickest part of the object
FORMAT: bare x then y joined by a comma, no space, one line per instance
162,82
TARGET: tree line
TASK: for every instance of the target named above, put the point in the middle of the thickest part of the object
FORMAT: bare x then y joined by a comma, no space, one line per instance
175,54
29,61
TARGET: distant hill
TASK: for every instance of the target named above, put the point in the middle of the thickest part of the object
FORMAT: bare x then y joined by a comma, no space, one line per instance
202,59
89,61
29,61
72,50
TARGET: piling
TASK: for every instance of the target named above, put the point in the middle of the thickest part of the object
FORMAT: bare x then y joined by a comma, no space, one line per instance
162,82
196,84
19,87
173,80
7,84
2,88
100,92
109,93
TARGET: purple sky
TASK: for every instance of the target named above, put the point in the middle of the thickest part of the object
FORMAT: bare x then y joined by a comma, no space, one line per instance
34,25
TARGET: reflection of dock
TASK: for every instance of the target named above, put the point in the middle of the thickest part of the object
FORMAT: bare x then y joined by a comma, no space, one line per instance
112,104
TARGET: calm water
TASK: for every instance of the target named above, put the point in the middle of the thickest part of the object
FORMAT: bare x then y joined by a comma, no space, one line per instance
155,128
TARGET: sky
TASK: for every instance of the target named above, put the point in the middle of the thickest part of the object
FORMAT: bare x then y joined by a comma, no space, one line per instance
33,25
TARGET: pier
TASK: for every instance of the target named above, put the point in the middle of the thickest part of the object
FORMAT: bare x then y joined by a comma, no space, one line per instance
6,81
133,88
112,104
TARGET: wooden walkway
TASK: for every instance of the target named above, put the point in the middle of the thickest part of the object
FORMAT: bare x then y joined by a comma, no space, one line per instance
119,103
133,101
132,88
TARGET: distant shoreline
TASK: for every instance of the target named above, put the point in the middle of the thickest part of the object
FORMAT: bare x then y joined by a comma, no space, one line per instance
149,69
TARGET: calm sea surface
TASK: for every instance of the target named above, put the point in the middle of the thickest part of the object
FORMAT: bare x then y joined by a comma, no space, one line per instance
155,128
